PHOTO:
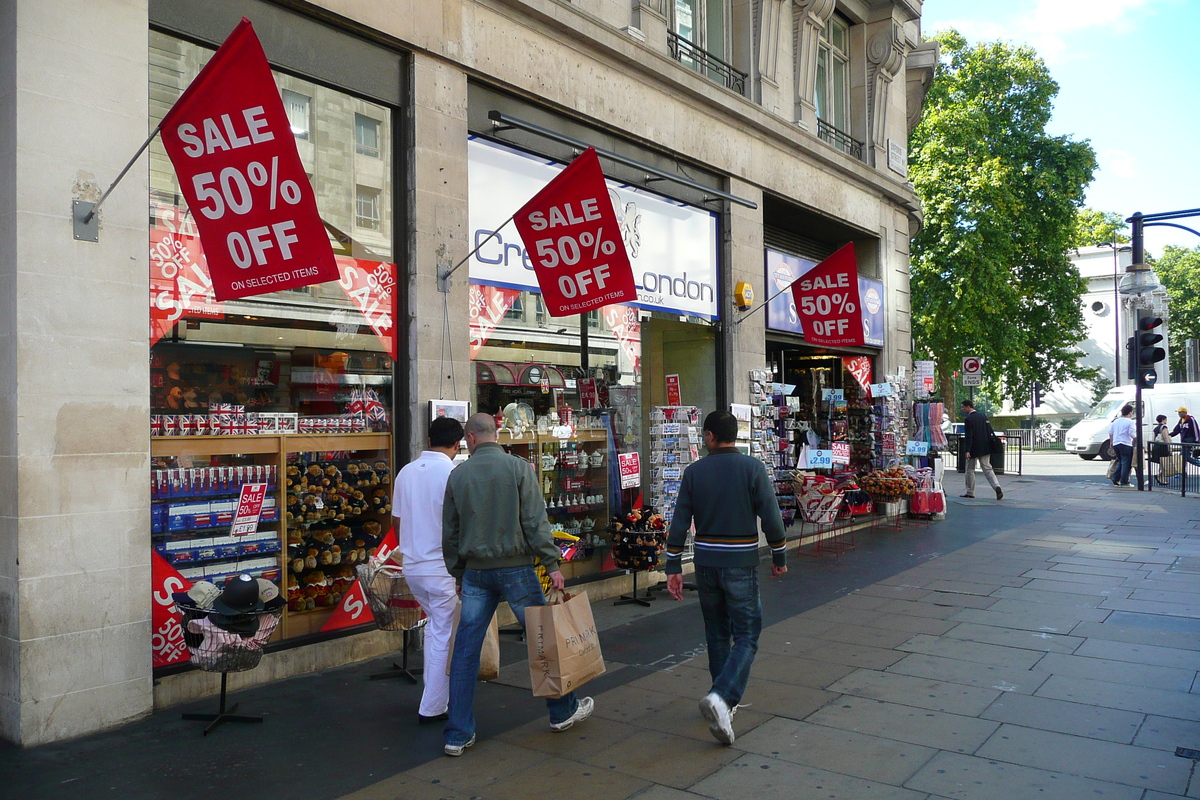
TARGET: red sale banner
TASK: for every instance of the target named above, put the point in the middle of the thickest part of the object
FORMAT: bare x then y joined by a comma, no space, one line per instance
389,544
166,643
230,142
486,309
353,610
371,286
624,323
827,301
570,230
179,282
674,397
860,368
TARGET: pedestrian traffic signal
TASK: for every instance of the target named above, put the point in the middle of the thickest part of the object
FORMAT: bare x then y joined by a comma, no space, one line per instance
1036,400
1145,351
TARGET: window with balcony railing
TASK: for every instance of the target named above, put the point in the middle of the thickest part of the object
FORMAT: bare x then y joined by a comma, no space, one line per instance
698,40
832,95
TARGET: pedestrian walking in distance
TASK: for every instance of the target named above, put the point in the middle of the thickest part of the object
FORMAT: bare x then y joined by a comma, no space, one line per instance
493,527
1121,434
417,500
726,494
1188,430
977,435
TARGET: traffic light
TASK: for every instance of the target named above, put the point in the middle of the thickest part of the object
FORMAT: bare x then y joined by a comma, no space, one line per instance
1146,354
1036,400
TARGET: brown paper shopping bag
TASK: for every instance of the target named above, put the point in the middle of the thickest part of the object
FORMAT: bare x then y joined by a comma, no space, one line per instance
489,656
564,649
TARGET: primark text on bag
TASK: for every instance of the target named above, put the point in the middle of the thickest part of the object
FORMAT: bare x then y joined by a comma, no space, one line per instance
564,648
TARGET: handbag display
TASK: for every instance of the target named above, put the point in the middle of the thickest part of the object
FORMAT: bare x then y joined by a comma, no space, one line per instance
564,648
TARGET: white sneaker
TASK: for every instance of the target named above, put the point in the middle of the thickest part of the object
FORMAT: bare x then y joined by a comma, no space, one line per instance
583,711
716,711
456,750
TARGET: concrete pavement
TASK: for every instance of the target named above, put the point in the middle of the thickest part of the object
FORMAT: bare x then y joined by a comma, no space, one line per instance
1056,658
1045,645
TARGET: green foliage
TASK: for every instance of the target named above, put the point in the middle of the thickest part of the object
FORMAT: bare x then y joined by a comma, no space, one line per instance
990,274
1100,387
1094,228
1179,270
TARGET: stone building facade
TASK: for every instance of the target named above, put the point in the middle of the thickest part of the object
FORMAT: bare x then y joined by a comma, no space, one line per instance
784,123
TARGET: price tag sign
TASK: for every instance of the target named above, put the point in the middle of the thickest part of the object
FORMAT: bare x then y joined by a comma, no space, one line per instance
631,470
841,452
819,459
916,448
674,396
835,395
249,509
882,390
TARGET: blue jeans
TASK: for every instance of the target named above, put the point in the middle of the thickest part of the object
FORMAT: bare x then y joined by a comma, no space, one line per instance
482,591
1124,464
732,612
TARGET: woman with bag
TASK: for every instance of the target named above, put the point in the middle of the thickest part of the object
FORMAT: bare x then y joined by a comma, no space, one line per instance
1160,451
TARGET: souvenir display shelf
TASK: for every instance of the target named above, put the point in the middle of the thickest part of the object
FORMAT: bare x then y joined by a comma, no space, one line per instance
674,443
573,473
191,529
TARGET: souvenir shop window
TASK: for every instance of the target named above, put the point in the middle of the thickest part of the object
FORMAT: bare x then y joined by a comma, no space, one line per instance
274,388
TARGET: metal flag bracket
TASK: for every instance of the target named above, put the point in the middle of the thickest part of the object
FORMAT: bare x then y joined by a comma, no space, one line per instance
84,221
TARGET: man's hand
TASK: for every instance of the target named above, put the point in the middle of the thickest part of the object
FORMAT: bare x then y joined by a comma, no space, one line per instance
777,571
675,586
557,581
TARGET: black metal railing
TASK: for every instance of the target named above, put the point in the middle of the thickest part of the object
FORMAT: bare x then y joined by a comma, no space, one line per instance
1014,454
704,62
1043,437
839,139
1173,467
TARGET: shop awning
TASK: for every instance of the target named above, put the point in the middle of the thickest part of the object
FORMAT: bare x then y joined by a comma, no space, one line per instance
509,374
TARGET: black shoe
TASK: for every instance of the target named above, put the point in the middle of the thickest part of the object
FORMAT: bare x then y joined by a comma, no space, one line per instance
999,493
424,720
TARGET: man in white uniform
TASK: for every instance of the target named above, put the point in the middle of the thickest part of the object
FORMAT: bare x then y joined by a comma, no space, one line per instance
420,488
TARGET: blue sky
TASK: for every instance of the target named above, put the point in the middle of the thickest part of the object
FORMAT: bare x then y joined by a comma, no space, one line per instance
1129,81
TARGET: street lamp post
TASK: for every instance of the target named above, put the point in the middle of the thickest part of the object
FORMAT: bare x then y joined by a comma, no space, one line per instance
1117,249
1140,282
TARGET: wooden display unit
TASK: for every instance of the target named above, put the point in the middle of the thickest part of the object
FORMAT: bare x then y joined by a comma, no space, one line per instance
294,535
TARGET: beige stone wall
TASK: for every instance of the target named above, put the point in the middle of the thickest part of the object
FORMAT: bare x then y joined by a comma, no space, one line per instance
75,378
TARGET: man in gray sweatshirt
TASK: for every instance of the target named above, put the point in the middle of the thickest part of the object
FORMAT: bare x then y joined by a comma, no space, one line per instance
726,494
493,526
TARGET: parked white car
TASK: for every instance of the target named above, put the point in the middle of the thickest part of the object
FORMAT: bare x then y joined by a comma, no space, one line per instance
1089,438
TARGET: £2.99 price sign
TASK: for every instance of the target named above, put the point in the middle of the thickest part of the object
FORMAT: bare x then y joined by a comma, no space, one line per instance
570,230
232,147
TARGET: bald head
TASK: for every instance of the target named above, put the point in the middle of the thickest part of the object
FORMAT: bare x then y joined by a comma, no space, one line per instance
479,428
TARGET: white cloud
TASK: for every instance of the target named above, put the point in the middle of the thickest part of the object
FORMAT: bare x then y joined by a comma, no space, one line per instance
1046,24
1119,163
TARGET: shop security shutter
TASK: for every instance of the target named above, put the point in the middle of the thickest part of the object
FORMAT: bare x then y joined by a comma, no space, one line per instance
793,244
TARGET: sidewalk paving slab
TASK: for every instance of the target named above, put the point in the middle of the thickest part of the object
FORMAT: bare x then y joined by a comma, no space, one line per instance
960,777
1061,716
774,779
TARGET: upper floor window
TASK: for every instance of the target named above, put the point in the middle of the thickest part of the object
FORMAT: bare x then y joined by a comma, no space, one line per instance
698,40
517,310
833,75
366,136
366,208
298,107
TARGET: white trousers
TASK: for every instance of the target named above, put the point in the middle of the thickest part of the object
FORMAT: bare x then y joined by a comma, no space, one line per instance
437,597
985,464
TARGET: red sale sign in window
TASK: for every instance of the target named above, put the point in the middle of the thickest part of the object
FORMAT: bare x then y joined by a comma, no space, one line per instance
166,643
827,301
232,147
674,397
572,235
249,509
631,470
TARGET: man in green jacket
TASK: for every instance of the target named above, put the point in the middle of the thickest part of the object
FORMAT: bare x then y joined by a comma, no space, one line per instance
726,493
493,526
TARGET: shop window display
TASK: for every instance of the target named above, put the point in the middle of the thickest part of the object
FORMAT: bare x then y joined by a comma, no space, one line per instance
284,385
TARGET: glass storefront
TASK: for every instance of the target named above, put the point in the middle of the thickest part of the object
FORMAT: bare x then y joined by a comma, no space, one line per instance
573,393
292,388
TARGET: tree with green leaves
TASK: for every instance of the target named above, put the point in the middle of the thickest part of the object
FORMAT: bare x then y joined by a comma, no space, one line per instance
1179,271
990,274
1093,228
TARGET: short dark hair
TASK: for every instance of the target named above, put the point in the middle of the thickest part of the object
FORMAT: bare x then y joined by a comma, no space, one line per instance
722,425
445,432
1161,418
1126,409
968,403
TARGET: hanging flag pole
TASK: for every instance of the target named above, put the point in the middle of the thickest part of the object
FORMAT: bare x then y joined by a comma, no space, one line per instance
444,277
87,218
